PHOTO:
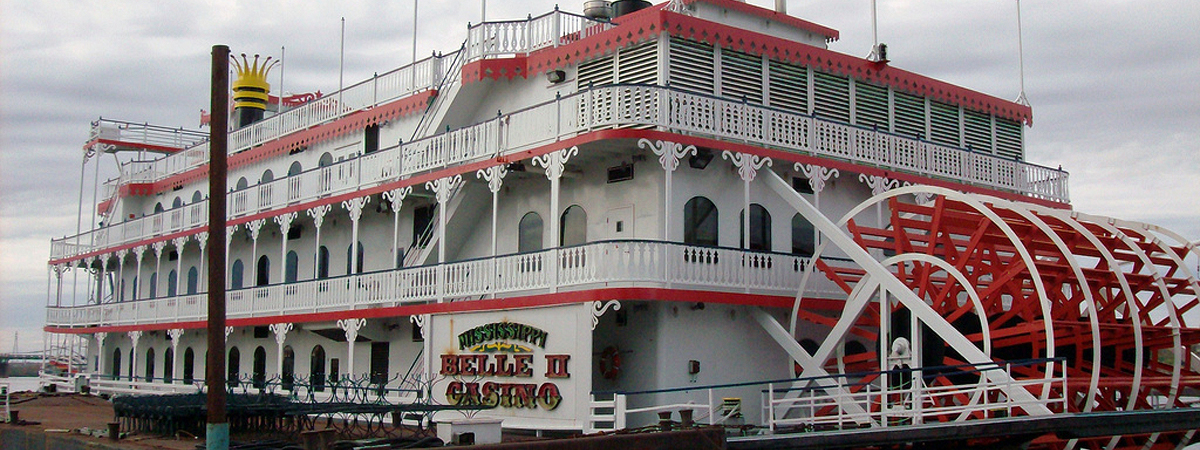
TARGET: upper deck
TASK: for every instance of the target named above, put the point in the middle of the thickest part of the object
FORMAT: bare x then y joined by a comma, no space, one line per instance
775,88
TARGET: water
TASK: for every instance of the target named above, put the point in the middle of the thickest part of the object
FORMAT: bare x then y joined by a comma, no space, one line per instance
20,384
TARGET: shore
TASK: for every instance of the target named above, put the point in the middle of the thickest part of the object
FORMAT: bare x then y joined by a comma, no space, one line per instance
54,421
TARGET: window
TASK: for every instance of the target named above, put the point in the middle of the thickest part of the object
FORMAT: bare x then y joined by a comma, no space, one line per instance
189,366
323,262
326,160
235,277
316,368
177,203
260,367
267,177
379,362
193,280
295,169
262,276
760,228
573,229
158,207
197,197
291,267
134,291
241,184
153,285
233,366
700,222
803,236
371,139
288,377
116,364
131,367
529,238
169,366
172,284
360,258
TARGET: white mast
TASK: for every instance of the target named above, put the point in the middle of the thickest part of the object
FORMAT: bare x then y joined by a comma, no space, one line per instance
1021,56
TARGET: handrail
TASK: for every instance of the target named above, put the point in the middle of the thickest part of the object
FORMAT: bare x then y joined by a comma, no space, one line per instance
596,264
610,106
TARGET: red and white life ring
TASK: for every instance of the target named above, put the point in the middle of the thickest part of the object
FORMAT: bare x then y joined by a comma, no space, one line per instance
610,362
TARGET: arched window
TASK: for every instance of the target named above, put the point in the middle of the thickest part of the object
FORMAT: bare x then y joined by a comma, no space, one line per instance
242,183
233,366
193,281
288,376
132,369
116,364
189,366
291,267
760,228
197,197
529,238
260,367
295,169
153,285
326,160
158,207
172,283
803,236
700,222
267,177
177,203
169,366
150,364
262,277
573,229
235,276
134,291
360,257
316,368
323,262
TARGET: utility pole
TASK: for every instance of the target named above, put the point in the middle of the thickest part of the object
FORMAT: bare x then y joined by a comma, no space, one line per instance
217,430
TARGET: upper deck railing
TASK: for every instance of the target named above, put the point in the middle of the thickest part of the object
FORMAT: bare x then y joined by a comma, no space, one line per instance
597,108
593,265
519,37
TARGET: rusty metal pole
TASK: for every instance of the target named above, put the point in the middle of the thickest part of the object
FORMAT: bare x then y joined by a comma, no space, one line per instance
217,431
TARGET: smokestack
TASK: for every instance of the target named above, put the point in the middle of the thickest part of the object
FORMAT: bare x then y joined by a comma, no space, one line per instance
251,89
781,6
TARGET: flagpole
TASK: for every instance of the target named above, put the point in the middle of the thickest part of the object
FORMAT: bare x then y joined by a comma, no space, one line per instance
342,63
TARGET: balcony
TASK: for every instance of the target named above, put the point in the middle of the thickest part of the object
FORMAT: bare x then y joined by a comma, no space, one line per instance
618,106
608,264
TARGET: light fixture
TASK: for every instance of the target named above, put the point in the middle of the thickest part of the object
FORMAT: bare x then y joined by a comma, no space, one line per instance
556,76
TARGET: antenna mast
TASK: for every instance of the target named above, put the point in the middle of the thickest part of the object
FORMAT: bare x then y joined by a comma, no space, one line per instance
1021,57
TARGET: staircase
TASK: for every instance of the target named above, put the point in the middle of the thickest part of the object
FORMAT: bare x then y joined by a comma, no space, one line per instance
447,89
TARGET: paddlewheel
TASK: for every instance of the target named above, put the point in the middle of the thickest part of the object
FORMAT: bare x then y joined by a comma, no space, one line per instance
1031,288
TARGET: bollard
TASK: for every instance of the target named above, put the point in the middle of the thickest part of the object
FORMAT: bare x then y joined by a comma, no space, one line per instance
114,431
685,418
664,420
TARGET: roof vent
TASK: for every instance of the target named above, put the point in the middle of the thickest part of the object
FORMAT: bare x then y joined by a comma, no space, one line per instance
597,9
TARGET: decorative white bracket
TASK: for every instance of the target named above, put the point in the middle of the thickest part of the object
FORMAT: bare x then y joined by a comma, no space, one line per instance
255,226
355,206
285,221
878,184
281,330
817,175
599,308
669,153
443,187
494,176
555,162
395,197
351,327
419,321
747,163
318,214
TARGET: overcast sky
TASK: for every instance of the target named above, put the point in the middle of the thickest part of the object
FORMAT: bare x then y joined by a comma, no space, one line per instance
1113,84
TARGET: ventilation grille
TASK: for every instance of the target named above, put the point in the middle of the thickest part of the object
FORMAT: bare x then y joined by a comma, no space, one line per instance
943,124
1008,139
597,72
741,76
832,95
977,131
789,87
691,66
871,105
639,65
910,115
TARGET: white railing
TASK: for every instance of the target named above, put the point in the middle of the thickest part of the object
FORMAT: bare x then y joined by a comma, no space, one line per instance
519,37
802,403
604,107
143,134
595,265
379,89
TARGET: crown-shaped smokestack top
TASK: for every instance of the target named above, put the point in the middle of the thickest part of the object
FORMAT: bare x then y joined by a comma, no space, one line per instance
251,87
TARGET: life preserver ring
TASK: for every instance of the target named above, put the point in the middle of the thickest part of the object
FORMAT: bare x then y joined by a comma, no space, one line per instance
610,362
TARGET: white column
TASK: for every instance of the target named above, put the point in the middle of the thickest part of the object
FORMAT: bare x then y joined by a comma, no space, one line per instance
555,163
141,254
396,198
255,228
281,330
817,176
285,223
103,260
135,336
669,154
351,327
442,189
180,282
229,231
158,250
202,283
355,206
99,338
120,284
318,215
747,165
174,334
494,176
